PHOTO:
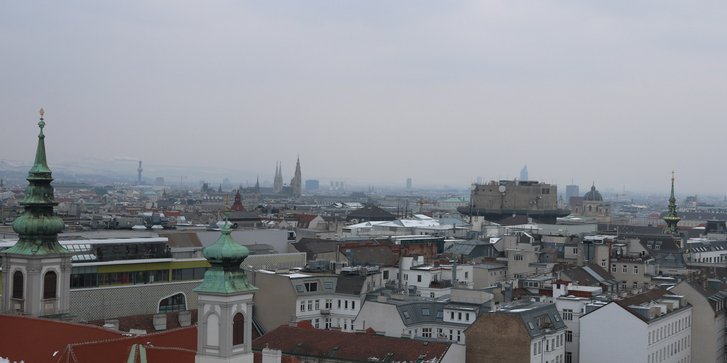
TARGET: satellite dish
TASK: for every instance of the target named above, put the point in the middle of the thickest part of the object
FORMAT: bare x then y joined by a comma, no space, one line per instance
502,188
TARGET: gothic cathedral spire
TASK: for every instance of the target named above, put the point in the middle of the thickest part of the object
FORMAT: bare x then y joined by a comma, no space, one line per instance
296,183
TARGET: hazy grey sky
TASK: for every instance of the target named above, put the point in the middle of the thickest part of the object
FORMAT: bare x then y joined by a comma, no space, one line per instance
616,92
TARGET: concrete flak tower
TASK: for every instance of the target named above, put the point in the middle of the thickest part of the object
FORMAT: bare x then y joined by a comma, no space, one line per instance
671,218
224,329
37,269
296,184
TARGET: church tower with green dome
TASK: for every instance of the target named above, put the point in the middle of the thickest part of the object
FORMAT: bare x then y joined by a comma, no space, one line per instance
37,269
224,304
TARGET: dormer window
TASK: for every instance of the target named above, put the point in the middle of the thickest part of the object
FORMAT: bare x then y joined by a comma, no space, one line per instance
311,286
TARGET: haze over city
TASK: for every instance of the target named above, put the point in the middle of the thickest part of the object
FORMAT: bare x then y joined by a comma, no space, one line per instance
616,93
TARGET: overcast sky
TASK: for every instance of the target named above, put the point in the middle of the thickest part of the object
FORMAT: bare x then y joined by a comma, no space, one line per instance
616,92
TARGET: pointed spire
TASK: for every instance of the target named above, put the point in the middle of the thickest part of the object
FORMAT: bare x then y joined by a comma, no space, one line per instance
671,218
40,167
38,226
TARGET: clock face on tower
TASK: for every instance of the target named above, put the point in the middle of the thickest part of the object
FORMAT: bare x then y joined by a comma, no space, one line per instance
502,188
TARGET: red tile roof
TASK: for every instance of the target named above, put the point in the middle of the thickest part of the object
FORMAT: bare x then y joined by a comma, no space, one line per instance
180,343
36,340
44,340
356,347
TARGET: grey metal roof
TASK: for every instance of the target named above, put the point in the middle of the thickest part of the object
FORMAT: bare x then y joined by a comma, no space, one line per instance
351,285
538,318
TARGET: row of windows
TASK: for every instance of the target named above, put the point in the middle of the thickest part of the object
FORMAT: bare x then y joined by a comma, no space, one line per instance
625,268
85,280
50,285
670,350
550,345
669,329
711,259
459,316
454,335
315,305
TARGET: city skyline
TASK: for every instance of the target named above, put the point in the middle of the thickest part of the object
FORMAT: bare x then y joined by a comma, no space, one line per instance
619,94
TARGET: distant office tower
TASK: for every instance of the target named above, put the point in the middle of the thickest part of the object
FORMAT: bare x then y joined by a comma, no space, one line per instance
278,181
408,183
524,173
139,170
312,184
296,182
159,181
571,191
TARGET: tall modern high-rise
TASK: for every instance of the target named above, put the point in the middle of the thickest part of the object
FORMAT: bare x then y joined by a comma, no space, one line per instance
278,181
671,218
408,183
524,173
139,170
296,184
37,269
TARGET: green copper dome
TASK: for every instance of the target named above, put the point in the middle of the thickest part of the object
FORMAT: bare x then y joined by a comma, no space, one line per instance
225,251
38,226
225,276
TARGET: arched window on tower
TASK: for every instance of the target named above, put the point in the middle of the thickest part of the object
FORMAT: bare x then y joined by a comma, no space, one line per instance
238,329
18,285
50,281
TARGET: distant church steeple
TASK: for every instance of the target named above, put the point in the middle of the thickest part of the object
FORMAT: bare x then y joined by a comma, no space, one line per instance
671,218
296,184
37,269
278,181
